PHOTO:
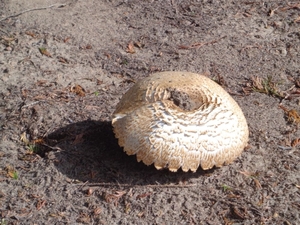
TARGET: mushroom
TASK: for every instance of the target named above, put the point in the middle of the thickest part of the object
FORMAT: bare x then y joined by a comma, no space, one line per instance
180,119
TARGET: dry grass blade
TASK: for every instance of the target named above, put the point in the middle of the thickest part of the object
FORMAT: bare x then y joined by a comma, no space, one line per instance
266,86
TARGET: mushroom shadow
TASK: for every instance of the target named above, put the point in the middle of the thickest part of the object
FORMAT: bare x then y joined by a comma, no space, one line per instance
89,152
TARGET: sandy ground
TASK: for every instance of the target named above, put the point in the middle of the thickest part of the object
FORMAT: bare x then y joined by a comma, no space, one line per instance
64,66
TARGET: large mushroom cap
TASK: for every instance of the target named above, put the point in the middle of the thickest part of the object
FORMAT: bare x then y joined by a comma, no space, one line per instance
180,119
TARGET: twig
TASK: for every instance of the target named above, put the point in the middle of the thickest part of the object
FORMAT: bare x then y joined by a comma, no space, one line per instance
34,9
31,104
284,148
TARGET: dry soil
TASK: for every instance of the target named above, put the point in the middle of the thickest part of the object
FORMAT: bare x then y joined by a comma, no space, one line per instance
64,64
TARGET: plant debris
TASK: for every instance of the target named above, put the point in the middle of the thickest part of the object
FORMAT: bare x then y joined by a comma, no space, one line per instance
199,44
115,197
130,48
291,6
292,115
12,172
143,195
45,52
266,86
31,33
252,175
78,90
295,142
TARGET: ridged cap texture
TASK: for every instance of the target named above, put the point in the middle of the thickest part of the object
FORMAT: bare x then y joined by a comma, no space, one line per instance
180,120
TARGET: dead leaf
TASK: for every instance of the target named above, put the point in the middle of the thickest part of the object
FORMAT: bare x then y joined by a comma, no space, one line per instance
130,48
45,52
63,60
78,90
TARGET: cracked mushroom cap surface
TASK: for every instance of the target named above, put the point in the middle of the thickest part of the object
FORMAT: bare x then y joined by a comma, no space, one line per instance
180,119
